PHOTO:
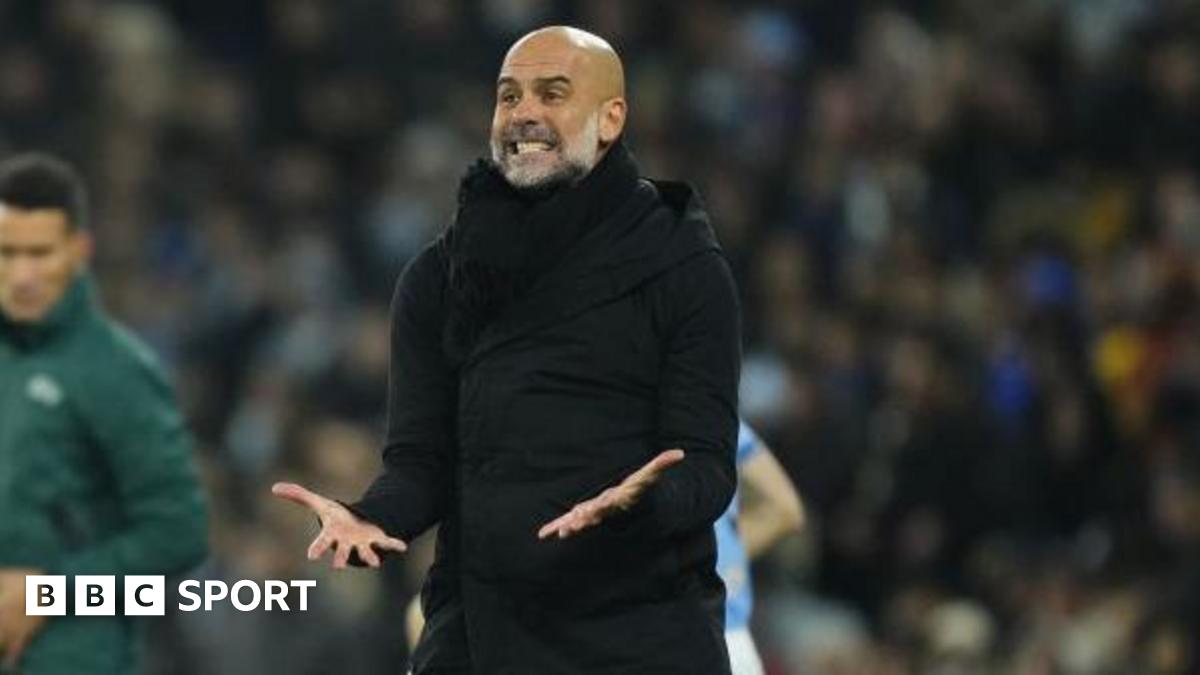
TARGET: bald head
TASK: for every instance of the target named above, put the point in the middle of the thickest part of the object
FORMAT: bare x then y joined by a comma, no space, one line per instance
560,104
596,58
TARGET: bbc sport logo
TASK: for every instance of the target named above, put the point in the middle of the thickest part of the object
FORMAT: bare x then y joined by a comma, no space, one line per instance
96,595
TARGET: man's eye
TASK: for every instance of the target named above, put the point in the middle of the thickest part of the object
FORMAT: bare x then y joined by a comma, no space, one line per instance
509,98
554,96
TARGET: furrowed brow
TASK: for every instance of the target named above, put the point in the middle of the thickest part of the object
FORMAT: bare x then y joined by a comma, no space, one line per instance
541,82
546,82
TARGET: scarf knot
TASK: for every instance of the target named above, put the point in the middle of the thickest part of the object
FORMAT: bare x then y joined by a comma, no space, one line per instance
504,239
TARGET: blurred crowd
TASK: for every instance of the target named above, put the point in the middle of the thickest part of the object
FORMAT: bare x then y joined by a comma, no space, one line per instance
967,234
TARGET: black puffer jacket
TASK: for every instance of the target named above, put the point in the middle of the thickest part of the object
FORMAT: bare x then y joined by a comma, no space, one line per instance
629,346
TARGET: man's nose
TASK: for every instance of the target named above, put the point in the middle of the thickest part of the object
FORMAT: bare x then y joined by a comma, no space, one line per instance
527,111
21,270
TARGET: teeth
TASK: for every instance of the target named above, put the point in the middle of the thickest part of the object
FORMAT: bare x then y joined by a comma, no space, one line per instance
531,146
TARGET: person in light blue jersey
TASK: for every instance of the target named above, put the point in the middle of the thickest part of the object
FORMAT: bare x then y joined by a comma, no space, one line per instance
766,509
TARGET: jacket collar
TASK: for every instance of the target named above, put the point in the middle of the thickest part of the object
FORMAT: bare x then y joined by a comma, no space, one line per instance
659,226
77,302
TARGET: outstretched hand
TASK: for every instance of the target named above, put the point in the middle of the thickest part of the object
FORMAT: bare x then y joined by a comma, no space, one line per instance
614,500
16,629
341,530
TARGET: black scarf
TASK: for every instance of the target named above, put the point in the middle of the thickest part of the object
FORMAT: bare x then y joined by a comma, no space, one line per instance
504,239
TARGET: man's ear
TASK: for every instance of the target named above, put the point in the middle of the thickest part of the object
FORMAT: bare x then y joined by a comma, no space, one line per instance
82,245
612,121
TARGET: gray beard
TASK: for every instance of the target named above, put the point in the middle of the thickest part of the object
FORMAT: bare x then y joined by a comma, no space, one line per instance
565,176
577,162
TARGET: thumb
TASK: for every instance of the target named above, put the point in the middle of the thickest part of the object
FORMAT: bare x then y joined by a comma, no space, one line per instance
667,458
651,471
298,494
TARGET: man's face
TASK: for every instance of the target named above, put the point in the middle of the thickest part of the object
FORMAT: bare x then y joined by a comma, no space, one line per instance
546,125
40,255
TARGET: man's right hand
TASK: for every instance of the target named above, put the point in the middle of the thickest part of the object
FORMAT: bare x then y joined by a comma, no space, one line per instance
17,629
341,530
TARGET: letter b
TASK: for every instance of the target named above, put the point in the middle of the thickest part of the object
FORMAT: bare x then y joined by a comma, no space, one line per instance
95,595
45,595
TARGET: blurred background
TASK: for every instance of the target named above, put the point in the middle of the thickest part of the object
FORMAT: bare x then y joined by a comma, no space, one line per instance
967,234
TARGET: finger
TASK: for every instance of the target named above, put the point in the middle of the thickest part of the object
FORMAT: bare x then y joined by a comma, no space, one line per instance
603,505
663,460
650,472
12,652
578,515
367,555
553,526
580,518
611,499
342,556
595,510
570,524
575,526
391,544
298,494
590,513
319,546
584,514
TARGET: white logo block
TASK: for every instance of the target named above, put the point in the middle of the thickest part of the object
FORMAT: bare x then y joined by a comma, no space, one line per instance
95,595
45,595
145,595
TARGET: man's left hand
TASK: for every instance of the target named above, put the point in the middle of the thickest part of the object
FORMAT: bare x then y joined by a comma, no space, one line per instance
614,500
16,629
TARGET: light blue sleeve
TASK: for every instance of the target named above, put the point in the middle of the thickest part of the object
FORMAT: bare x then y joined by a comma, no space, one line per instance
748,443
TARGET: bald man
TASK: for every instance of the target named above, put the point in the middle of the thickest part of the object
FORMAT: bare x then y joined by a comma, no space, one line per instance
562,401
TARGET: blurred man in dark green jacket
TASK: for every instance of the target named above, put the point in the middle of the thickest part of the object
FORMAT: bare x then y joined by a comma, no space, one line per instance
96,473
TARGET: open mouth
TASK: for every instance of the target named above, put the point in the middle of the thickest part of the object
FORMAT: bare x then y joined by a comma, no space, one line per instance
529,147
